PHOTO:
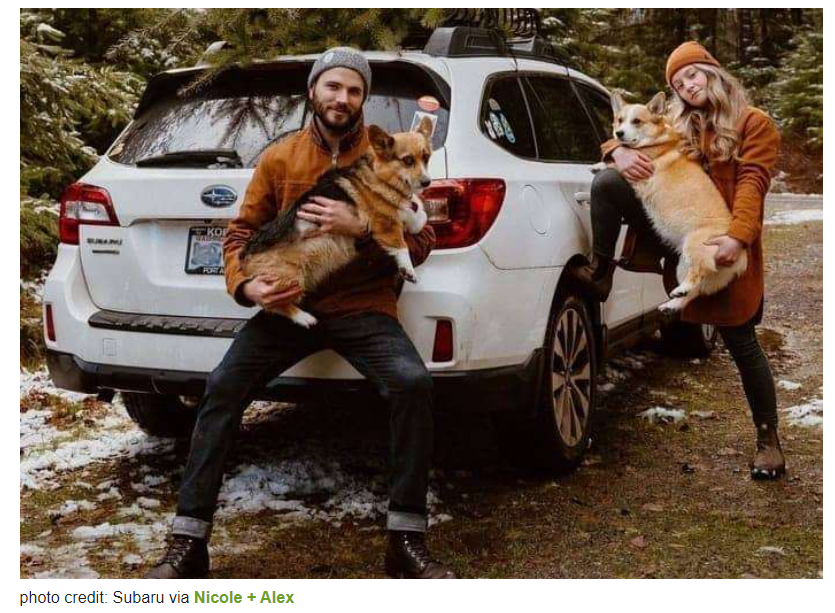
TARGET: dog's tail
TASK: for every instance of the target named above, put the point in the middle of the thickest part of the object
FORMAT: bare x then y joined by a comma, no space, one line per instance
273,232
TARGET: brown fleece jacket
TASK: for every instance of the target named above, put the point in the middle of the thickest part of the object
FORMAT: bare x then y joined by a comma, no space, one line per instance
743,184
287,170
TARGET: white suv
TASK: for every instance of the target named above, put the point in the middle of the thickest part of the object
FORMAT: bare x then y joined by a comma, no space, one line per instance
136,300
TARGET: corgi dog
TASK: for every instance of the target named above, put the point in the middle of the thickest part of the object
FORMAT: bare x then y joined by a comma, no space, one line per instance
680,199
380,187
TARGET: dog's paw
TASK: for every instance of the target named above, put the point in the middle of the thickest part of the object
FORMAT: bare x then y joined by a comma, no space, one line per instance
597,167
681,291
671,306
408,275
304,319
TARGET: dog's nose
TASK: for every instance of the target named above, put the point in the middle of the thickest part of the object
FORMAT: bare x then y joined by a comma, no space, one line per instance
619,133
425,182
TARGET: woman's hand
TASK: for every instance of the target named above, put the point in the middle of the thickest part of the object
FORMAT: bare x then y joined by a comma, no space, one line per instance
632,164
332,216
729,249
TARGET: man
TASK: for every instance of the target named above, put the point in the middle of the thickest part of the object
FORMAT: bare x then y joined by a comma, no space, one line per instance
357,313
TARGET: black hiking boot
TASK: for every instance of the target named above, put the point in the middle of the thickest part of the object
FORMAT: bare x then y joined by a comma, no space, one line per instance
408,558
186,558
595,279
768,462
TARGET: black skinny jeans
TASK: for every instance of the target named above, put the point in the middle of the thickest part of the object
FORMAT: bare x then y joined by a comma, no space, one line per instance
613,201
375,344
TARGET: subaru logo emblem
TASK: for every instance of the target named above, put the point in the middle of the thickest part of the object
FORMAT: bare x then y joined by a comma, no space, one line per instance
219,196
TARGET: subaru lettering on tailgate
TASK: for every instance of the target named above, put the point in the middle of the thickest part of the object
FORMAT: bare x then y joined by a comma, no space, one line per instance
219,196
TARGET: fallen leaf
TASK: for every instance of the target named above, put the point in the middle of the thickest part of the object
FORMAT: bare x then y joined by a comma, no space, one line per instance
639,542
728,451
703,414
772,549
652,508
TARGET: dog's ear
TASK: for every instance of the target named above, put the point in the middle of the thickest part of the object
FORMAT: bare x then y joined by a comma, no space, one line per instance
617,102
425,128
658,104
382,143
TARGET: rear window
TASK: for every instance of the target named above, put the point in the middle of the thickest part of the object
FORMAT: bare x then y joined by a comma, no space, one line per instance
600,107
563,127
249,109
504,117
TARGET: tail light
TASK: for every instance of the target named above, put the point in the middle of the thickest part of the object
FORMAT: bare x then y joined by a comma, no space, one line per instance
84,204
442,349
462,210
50,323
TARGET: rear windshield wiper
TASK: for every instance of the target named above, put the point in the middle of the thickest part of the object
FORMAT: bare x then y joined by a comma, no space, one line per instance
197,158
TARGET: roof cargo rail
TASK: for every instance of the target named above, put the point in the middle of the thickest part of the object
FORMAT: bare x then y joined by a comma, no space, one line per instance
482,33
465,41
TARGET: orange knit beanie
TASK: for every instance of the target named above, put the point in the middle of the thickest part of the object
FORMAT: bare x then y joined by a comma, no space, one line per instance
685,54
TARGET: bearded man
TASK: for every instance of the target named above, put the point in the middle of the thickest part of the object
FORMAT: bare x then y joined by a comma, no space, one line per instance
357,313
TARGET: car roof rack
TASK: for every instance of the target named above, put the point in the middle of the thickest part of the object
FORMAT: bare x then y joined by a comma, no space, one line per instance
482,33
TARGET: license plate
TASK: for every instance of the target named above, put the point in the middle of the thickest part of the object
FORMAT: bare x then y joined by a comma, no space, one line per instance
204,255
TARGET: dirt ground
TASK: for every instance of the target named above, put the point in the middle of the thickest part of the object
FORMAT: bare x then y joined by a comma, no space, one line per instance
650,500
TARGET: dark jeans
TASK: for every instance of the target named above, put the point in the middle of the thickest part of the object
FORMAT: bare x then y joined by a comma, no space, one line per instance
754,370
375,344
613,201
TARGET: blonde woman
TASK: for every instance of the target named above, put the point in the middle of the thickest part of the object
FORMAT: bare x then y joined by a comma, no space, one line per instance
737,144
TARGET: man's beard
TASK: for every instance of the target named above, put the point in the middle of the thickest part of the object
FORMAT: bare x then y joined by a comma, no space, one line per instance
320,111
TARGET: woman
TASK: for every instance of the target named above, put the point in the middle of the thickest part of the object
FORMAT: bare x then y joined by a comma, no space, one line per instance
738,146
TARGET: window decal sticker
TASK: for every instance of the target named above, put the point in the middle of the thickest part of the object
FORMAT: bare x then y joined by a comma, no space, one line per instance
419,115
429,104
497,125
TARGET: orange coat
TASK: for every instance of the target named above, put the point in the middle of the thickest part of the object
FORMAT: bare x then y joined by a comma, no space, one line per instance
286,171
743,184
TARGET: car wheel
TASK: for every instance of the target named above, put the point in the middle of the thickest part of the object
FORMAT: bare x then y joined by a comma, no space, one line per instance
559,434
689,340
161,415
567,408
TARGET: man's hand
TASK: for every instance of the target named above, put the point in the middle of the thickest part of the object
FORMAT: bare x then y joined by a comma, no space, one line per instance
265,291
729,249
332,216
632,164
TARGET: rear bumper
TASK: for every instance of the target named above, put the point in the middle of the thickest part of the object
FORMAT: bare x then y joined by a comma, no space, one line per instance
509,388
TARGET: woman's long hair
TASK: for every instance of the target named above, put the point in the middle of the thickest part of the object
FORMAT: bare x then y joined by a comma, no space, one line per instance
727,101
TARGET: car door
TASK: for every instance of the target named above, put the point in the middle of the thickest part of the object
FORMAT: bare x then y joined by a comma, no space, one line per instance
567,134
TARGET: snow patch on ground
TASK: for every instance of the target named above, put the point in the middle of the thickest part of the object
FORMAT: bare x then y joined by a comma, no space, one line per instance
65,562
791,217
147,537
39,469
45,452
72,507
38,380
34,430
788,385
281,486
662,415
808,415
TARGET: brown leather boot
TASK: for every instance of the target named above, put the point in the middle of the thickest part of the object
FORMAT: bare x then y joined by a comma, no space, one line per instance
768,462
186,558
595,279
408,558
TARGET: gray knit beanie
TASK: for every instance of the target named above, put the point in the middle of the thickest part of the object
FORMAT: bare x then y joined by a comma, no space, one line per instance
342,57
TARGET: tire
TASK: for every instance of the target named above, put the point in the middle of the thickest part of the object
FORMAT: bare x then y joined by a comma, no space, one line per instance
160,415
557,437
689,340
